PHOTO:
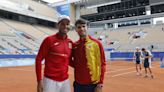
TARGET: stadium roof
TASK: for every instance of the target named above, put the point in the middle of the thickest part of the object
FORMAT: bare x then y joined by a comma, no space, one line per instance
87,3
96,3
59,2
53,1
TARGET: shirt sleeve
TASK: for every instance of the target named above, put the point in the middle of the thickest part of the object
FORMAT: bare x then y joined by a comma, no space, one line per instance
142,55
134,55
150,53
103,63
71,62
42,53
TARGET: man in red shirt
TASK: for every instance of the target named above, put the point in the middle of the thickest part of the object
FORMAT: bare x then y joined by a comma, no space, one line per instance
56,51
88,61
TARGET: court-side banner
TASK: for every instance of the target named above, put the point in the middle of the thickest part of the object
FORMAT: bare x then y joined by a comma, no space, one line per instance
162,63
64,9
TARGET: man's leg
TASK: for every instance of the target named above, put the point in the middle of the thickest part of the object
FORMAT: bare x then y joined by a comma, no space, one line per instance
137,73
136,68
140,68
146,75
151,74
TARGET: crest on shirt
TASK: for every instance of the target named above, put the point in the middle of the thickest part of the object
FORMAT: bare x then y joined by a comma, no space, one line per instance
70,45
56,43
89,46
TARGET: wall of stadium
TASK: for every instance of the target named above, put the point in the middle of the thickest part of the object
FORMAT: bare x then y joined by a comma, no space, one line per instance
152,2
128,56
72,13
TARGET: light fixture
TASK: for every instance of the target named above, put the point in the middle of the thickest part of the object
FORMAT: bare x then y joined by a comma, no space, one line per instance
53,1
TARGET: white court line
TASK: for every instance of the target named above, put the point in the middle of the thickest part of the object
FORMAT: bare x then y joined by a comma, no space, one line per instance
126,73
120,70
108,71
21,70
123,73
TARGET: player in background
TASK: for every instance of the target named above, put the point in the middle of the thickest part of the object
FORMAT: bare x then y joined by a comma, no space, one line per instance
147,62
137,60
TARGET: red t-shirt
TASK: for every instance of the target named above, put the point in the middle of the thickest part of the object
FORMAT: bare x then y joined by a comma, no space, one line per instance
56,52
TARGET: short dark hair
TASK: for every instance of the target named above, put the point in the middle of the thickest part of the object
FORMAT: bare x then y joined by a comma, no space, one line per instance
143,49
80,21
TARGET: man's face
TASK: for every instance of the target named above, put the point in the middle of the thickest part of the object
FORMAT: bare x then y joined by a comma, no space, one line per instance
64,26
144,51
137,49
81,29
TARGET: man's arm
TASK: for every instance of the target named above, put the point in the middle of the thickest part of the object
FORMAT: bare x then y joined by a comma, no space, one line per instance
150,54
43,50
38,64
134,56
103,64
40,86
71,62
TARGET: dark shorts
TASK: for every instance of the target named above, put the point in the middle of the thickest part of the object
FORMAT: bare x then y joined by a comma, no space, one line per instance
84,88
146,64
138,62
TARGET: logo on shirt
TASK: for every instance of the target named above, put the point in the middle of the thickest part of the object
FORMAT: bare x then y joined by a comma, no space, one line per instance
89,46
57,43
70,45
